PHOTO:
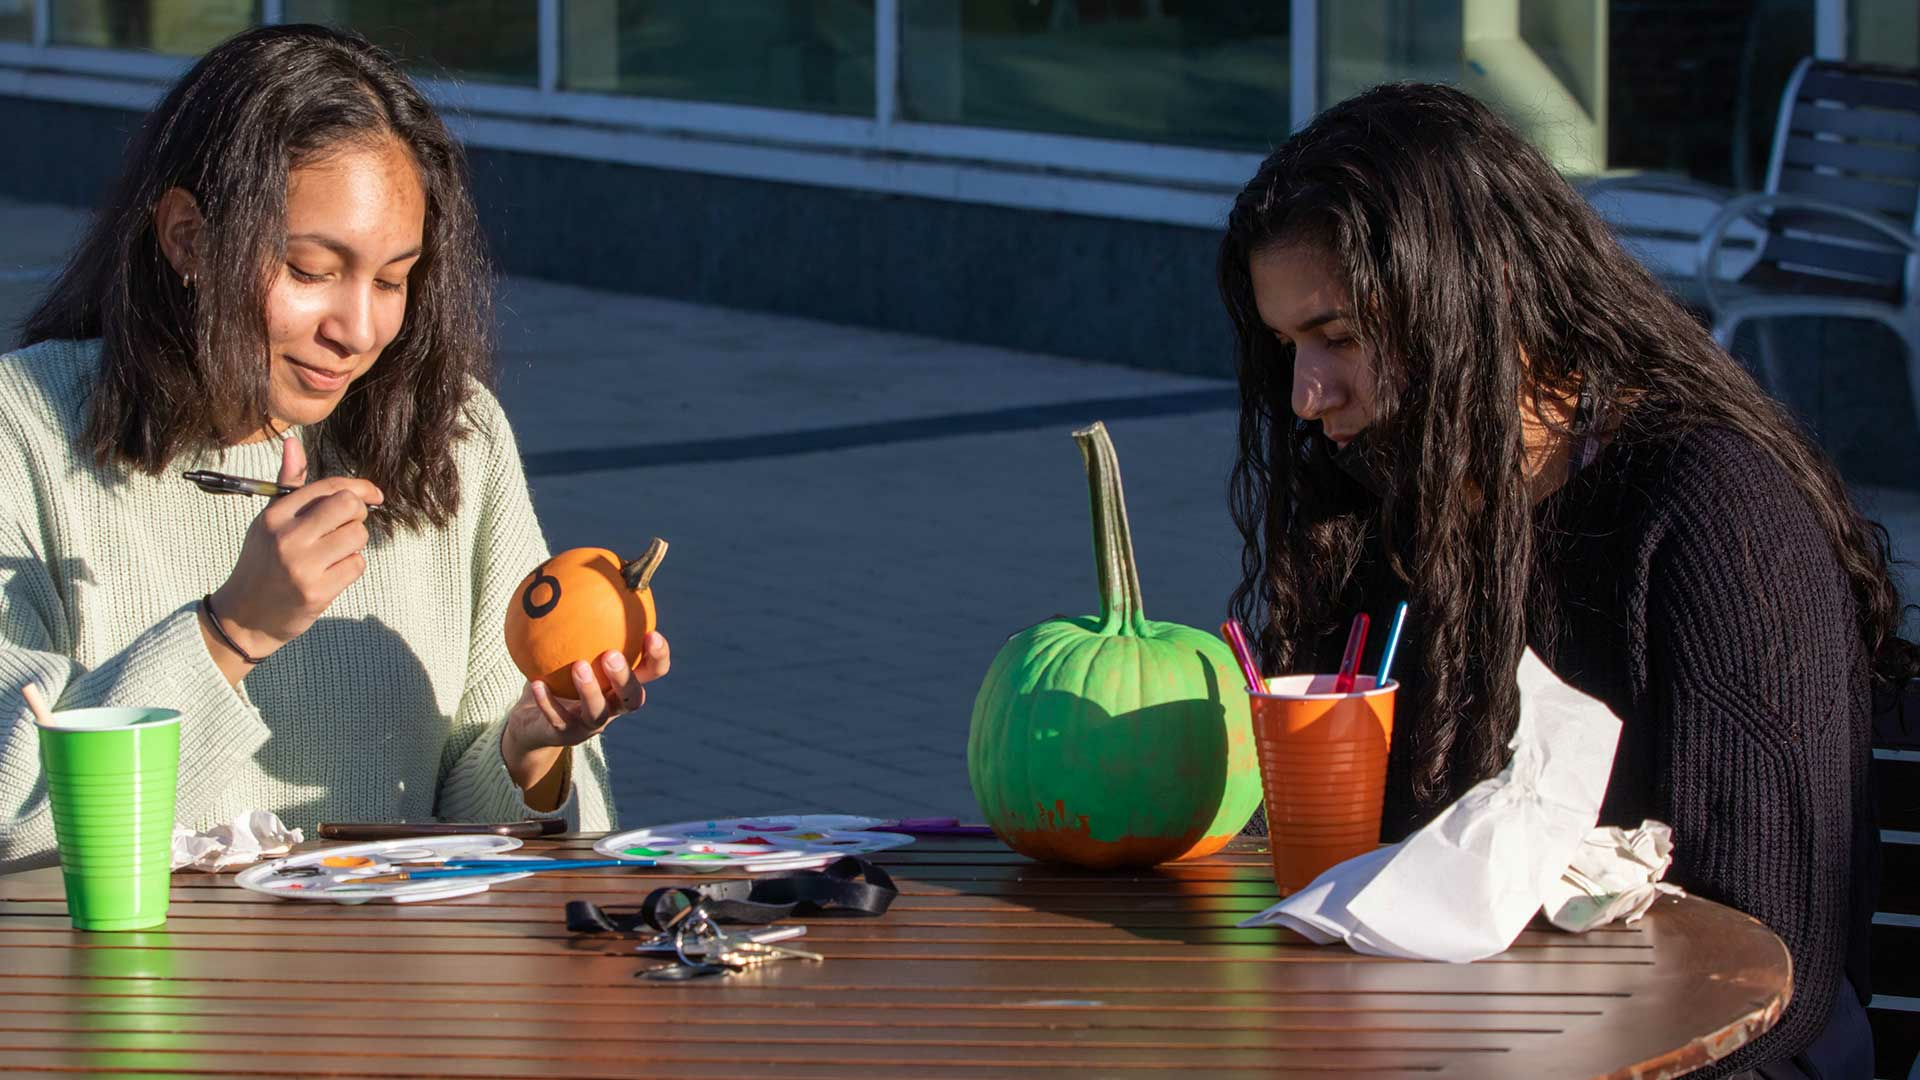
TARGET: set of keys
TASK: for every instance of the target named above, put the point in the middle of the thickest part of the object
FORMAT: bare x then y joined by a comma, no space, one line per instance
701,948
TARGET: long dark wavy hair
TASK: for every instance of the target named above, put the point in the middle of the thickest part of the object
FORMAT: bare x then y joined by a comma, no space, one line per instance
1460,247
183,370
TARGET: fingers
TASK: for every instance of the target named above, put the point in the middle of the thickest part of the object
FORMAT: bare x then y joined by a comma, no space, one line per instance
593,703
317,536
598,707
341,574
655,658
335,526
302,551
570,723
326,530
310,497
323,557
334,491
543,700
293,462
627,694
366,491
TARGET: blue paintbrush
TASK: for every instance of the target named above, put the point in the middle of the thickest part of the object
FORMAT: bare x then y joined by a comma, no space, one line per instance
1393,644
492,867
546,864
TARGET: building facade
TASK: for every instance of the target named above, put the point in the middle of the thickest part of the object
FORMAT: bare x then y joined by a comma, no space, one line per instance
1040,174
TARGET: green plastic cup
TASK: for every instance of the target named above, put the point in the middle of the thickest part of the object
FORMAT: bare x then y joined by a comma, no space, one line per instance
149,793
115,783
141,787
111,778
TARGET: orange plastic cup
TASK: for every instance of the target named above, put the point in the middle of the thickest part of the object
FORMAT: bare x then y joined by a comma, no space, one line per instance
1323,769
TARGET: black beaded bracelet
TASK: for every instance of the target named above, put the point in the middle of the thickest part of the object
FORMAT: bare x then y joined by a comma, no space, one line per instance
206,605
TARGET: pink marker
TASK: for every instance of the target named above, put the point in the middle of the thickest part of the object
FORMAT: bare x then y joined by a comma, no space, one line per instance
1237,641
1350,663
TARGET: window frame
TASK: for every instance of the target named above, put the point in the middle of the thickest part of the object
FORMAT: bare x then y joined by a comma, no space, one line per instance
1133,180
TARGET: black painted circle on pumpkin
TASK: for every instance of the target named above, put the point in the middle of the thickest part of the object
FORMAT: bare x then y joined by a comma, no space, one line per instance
533,610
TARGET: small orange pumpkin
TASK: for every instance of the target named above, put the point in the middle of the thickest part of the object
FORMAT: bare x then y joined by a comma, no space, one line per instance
577,605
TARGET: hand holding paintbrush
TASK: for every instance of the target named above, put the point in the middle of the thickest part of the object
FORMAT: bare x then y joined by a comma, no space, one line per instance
303,550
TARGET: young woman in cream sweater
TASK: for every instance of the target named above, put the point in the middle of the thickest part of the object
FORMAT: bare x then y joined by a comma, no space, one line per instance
287,282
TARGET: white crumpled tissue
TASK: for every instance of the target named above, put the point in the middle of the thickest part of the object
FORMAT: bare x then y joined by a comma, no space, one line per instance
1465,886
254,835
1615,875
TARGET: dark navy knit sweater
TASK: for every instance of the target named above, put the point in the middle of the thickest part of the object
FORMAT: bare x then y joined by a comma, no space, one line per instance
1695,593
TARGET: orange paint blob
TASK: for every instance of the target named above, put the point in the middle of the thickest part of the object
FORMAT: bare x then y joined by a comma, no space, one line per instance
1061,837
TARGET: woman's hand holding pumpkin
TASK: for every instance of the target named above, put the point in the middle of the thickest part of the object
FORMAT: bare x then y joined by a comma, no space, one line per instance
542,725
302,551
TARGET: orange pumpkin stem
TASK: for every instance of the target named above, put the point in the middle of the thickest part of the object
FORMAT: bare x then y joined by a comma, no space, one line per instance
639,572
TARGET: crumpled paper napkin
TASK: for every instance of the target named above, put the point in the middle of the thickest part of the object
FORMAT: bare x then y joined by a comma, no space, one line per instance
1615,875
254,835
1465,886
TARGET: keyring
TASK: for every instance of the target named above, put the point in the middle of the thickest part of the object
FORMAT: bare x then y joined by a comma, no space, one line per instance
695,921
703,930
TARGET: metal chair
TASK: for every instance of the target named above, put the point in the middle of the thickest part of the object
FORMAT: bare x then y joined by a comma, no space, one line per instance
1838,215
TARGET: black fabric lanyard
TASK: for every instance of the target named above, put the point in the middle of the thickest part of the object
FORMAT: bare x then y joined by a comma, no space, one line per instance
848,884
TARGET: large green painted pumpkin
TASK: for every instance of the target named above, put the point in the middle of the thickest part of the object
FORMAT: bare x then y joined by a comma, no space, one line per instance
1113,740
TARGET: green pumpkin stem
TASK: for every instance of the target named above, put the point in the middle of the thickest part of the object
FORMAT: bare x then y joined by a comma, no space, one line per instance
1121,608
639,572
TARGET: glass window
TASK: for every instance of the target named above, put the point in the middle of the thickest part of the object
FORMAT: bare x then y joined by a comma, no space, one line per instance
1367,42
1201,72
815,55
1542,62
486,40
1696,91
1685,86
178,27
1885,32
16,20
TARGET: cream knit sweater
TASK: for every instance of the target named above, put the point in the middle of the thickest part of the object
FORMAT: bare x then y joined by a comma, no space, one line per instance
389,708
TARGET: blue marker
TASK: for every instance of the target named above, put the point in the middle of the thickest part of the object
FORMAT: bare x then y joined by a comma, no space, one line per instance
1393,643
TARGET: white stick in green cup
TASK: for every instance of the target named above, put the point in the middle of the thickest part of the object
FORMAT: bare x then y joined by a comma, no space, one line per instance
115,854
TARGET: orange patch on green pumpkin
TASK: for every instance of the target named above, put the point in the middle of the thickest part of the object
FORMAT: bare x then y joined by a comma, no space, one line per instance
1063,837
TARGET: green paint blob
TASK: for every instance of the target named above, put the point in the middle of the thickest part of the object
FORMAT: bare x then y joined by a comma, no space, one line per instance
722,858
645,851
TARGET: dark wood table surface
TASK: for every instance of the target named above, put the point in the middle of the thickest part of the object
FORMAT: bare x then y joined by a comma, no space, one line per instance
987,965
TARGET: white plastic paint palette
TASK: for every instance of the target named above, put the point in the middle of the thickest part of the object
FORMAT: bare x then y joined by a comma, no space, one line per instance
780,842
335,874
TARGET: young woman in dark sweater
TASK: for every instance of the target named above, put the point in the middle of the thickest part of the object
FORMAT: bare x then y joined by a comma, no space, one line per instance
1457,390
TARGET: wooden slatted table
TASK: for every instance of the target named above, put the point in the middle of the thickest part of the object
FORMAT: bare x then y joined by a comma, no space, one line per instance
988,965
